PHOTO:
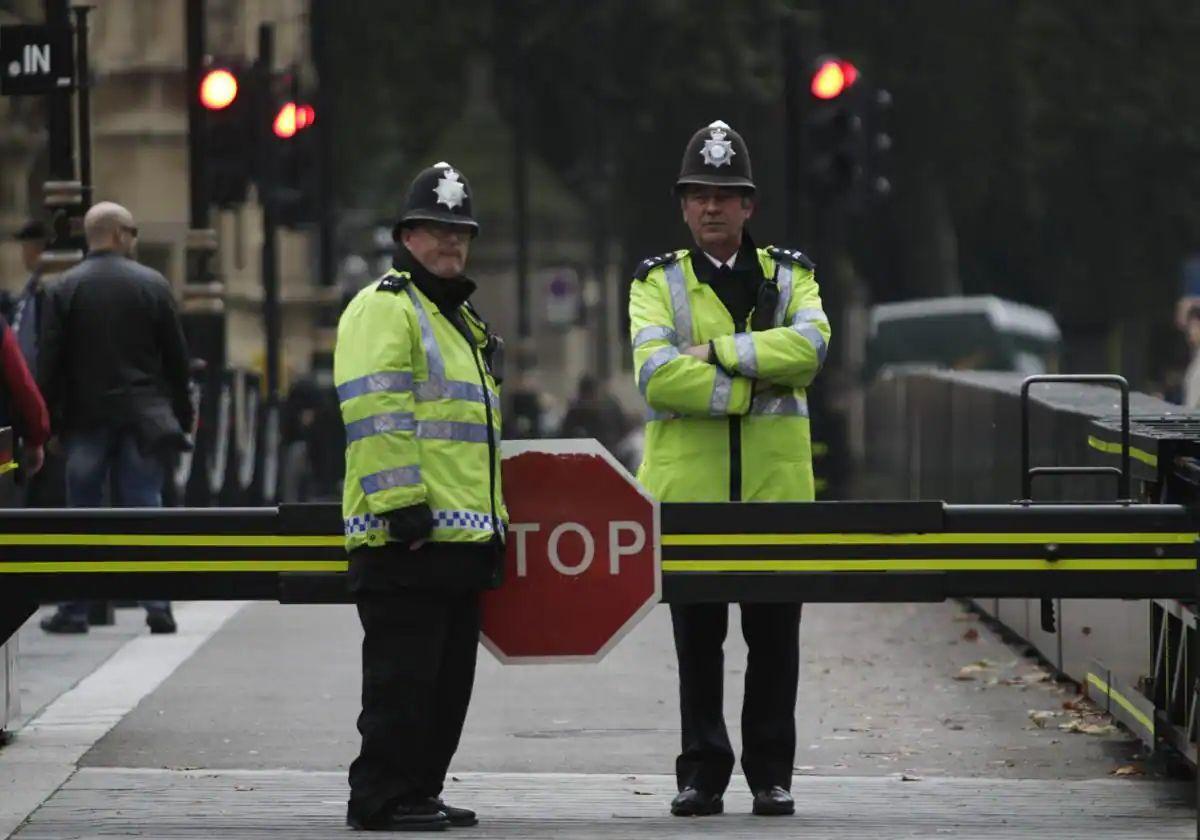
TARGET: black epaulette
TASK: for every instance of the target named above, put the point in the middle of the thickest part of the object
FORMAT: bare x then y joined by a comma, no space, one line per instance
394,283
797,257
648,265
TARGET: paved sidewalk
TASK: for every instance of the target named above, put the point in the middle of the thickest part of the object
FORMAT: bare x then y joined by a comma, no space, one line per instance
299,805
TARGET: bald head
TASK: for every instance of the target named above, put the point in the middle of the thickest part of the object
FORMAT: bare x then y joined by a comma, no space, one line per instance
109,227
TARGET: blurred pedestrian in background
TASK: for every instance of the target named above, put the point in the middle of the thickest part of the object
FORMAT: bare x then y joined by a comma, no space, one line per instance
114,369
45,487
594,413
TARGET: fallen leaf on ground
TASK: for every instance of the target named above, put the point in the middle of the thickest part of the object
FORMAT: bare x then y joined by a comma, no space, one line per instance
643,793
1083,728
1127,770
972,635
1039,717
908,777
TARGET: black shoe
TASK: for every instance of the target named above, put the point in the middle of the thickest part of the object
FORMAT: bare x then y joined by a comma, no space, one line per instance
690,802
773,802
459,817
422,816
63,623
161,621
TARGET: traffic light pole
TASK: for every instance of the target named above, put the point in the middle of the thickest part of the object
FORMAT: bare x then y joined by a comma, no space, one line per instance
267,188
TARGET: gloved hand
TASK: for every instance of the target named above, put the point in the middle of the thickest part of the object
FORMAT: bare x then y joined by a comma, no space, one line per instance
409,524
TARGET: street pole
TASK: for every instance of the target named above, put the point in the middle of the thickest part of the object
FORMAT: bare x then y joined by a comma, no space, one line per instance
64,198
203,307
520,199
267,188
84,74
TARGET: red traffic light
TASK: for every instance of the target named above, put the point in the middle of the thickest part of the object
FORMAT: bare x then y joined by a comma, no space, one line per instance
293,118
218,89
832,78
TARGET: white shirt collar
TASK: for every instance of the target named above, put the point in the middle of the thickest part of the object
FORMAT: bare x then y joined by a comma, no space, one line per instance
717,263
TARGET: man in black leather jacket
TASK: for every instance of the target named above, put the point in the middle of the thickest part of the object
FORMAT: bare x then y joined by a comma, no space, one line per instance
114,369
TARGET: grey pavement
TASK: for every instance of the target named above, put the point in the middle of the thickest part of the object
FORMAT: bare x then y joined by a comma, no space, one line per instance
278,687
913,720
302,806
52,664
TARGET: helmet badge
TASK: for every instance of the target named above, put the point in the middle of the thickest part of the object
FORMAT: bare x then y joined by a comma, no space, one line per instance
717,151
450,191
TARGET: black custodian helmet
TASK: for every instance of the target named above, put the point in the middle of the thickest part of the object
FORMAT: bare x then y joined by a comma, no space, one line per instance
438,194
716,156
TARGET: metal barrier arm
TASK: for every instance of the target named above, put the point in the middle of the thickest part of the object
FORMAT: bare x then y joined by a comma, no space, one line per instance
820,551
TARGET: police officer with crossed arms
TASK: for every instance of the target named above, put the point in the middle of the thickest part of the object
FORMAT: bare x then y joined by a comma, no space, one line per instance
726,337
417,374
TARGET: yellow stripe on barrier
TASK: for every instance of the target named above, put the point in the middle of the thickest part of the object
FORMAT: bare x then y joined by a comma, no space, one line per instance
934,564
186,540
201,566
1175,538
1123,702
1110,448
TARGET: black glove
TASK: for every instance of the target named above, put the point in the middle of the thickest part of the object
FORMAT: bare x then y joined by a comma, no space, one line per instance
409,524
764,306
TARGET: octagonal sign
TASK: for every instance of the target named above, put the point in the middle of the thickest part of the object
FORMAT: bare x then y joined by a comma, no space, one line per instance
583,563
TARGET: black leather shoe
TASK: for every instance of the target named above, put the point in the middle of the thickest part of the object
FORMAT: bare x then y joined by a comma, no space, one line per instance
773,802
63,623
161,621
459,817
422,816
691,802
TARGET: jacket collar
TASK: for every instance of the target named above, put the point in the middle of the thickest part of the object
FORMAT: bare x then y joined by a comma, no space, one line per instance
447,295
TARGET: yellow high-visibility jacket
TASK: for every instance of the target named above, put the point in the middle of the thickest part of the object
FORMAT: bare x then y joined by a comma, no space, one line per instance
737,430
422,417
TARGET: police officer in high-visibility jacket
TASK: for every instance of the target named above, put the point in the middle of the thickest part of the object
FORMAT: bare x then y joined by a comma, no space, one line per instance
417,374
726,337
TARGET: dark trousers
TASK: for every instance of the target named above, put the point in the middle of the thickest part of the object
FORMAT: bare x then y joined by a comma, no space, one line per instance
419,648
772,633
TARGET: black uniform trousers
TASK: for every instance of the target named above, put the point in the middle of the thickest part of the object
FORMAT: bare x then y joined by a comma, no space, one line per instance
772,634
419,649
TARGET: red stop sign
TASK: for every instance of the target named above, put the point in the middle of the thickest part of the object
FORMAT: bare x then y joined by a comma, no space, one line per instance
583,561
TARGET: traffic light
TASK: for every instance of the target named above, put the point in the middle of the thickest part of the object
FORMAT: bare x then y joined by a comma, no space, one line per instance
835,126
228,133
295,156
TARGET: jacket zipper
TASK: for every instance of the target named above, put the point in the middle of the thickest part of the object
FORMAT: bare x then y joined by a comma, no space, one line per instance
491,435
735,458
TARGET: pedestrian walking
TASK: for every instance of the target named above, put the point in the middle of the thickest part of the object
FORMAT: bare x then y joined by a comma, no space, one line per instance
726,337
417,373
114,368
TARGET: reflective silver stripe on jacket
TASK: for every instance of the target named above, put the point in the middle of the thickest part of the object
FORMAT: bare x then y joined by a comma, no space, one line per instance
677,286
777,403
657,359
433,355
648,334
437,386
807,327
389,479
783,278
453,389
653,414
468,520
747,357
721,392
389,381
363,523
378,424
452,430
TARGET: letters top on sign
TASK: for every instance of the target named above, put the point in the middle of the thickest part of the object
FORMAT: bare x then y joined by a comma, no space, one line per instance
36,60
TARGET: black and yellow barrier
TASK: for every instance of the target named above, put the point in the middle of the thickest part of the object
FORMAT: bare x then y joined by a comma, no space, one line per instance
822,551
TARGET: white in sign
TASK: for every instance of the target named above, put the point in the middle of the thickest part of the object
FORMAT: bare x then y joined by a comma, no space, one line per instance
617,548
35,58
